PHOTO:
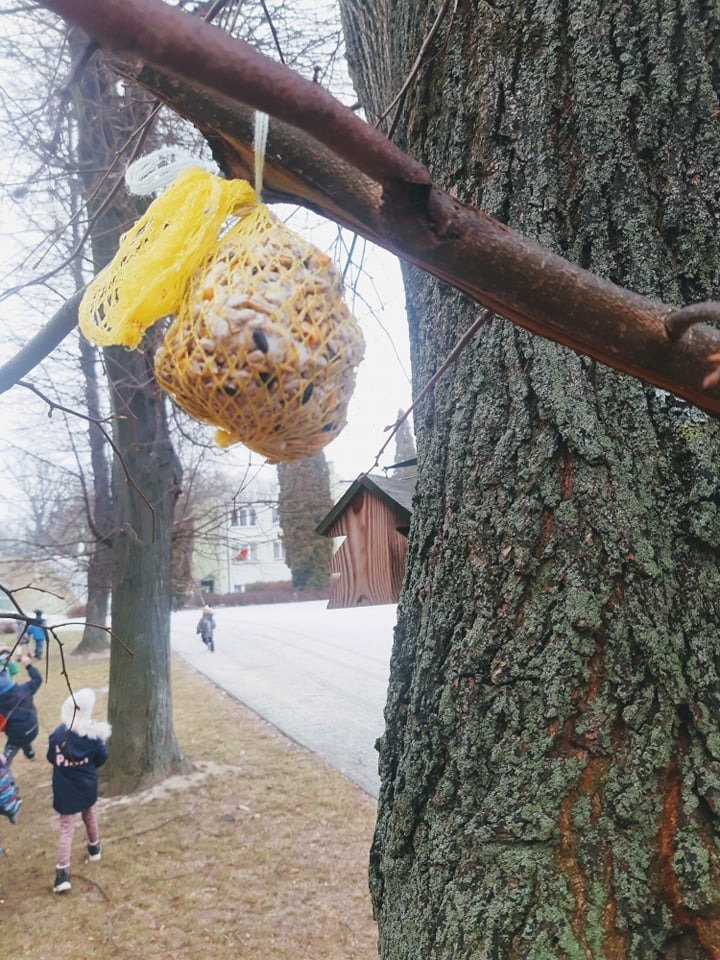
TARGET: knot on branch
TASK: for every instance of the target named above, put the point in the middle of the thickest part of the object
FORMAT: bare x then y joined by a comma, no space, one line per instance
678,322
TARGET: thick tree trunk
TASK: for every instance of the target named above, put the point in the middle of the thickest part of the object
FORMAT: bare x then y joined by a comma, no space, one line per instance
551,762
146,485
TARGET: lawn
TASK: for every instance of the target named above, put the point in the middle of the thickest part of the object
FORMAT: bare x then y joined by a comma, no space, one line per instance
259,854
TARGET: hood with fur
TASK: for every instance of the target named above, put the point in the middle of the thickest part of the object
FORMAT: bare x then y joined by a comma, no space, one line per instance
76,714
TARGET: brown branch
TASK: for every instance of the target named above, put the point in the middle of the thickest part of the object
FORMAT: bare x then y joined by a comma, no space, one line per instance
492,264
92,883
326,158
680,321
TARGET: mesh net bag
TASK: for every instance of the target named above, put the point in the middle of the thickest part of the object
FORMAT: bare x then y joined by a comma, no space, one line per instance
156,258
263,346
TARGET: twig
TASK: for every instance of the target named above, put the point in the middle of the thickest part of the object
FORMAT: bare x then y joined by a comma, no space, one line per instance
485,315
112,921
154,827
113,636
92,883
400,96
273,31
99,424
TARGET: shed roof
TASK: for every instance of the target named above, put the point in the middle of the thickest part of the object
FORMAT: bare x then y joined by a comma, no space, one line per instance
395,492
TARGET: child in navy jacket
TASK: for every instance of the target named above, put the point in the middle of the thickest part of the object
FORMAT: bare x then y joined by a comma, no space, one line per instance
76,749
18,710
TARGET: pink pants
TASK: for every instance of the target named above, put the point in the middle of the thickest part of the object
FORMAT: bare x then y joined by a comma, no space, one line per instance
67,828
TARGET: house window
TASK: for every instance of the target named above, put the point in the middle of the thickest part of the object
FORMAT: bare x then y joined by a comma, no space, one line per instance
278,550
207,585
276,514
247,517
249,551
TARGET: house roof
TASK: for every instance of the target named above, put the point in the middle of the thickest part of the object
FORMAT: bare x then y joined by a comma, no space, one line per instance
395,492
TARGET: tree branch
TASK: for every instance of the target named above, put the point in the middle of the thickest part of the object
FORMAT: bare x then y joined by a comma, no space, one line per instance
42,344
321,155
180,44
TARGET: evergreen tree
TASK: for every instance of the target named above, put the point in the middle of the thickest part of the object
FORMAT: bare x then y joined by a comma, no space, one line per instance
304,500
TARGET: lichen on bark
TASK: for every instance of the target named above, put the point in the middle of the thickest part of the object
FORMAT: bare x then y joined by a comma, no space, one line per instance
549,769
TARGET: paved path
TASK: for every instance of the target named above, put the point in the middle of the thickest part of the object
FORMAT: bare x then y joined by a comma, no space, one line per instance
318,675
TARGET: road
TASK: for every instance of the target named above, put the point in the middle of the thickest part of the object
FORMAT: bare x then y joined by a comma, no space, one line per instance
320,676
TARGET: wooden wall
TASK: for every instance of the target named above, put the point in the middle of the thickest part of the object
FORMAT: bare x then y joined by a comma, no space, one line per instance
371,561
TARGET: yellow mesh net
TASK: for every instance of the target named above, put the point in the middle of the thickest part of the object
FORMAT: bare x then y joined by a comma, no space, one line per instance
262,345
156,258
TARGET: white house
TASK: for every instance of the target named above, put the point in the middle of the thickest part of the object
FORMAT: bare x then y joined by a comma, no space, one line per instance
239,543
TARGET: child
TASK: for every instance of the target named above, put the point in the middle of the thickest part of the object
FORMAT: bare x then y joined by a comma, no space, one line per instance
36,630
18,711
206,628
76,749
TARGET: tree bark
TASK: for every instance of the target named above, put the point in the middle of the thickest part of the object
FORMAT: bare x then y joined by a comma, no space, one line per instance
100,129
551,762
146,486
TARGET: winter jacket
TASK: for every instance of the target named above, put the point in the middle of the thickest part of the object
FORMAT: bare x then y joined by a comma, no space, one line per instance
206,626
35,632
19,710
75,758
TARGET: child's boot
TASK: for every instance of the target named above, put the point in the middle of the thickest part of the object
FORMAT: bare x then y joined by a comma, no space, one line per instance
62,880
94,851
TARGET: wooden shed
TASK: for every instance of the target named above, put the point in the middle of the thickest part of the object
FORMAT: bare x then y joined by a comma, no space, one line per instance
374,517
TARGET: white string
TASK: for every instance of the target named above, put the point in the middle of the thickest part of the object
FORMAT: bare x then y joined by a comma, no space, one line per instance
153,172
262,123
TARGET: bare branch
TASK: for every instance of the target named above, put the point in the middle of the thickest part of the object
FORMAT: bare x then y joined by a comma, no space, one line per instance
42,344
53,405
399,98
464,340
328,159
180,44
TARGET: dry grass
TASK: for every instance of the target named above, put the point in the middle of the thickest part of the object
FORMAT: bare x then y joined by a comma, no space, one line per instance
261,854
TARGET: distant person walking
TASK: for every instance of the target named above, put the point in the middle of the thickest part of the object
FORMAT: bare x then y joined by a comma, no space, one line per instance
76,749
18,713
206,628
37,631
